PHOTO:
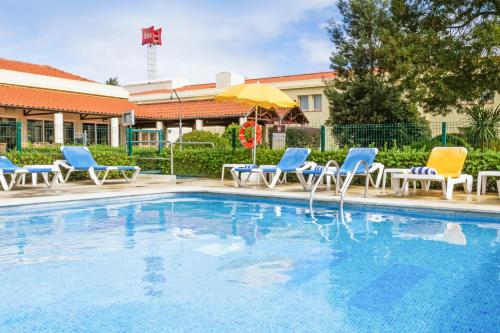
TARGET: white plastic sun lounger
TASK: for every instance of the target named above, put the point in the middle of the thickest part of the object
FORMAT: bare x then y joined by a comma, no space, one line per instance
78,158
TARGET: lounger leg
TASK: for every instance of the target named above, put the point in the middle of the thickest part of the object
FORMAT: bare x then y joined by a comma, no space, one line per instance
484,184
275,179
135,174
379,176
498,188
404,187
384,180
67,176
3,181
468,184
104,177
447,188
55,180
236,177
94,177
306,184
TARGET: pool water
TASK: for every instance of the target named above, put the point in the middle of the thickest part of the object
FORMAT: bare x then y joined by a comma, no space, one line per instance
205,263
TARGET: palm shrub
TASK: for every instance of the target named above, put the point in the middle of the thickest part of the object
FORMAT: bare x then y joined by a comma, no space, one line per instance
484,125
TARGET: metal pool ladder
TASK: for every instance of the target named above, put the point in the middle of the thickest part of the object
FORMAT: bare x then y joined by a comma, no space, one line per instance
344,185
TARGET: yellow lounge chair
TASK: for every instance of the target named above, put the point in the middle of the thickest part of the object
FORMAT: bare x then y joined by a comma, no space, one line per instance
447,162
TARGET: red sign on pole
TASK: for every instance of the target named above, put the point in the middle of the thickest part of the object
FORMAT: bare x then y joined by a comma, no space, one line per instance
148,35
157,36
151,36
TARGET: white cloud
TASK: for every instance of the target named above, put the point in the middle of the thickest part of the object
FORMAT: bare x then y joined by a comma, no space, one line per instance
200,38
316,51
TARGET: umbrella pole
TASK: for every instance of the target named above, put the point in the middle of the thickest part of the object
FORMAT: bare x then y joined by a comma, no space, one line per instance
254,152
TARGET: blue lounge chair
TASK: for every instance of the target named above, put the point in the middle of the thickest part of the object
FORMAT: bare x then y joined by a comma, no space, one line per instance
292,161
78,158
16,173
355,159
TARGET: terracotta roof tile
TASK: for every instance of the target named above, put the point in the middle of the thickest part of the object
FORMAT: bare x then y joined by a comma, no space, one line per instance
26,67
206,108
35,98
272,79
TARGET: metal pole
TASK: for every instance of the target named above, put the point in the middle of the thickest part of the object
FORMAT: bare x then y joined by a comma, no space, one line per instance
443,133
323,138
129,141
19,126
180,117
254,153
172,158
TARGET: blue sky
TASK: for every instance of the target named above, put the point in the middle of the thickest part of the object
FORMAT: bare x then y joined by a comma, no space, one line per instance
99,39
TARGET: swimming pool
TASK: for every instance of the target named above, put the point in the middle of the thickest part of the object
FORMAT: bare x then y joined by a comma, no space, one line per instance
206,263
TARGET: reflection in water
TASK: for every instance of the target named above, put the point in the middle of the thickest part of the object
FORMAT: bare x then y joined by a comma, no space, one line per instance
374,270
153,276
434,231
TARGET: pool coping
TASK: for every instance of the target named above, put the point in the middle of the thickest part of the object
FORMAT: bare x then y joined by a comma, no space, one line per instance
441,205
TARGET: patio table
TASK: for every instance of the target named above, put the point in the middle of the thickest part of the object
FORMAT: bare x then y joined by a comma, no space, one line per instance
482,181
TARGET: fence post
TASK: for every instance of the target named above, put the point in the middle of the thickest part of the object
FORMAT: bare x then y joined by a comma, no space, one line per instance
19,126
129,141
323,138
233,139
443,133
160,144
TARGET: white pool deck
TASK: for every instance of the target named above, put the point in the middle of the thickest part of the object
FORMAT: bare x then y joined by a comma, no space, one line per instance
151,184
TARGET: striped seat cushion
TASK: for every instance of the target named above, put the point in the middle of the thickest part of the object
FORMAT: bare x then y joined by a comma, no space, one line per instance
423,171
245,168
317,170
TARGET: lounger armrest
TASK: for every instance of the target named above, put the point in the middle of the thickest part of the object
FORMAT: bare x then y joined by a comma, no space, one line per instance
376,166
63,163
305,166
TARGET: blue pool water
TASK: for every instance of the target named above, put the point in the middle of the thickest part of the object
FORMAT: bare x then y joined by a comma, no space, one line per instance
203,263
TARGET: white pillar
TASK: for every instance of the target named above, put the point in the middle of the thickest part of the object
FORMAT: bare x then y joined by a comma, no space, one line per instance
243,120
115,132
58,128
198,125
159,126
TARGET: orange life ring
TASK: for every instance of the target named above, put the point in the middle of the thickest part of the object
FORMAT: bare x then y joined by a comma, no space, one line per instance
248,143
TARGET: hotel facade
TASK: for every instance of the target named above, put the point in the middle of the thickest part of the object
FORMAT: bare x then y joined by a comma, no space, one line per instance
51,106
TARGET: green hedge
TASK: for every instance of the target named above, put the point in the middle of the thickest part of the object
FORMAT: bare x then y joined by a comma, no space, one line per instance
104,155
208,162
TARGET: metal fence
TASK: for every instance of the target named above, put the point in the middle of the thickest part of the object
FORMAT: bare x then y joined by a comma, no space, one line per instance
41,133
379,135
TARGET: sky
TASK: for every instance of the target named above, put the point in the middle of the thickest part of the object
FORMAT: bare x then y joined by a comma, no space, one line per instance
102,39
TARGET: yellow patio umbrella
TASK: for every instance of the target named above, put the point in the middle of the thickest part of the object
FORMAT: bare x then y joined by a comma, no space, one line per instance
257,95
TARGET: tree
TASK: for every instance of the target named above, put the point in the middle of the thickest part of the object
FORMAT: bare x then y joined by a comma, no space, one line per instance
445,52
362,92
112,81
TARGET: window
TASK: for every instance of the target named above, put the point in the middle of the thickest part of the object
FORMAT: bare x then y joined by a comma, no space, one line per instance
69,132
40,131
102,134
89,134
96,134
304,102
8,132
317,102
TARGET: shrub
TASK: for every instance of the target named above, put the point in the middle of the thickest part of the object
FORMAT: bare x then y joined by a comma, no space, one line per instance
104,155
309,137
485,125
205,136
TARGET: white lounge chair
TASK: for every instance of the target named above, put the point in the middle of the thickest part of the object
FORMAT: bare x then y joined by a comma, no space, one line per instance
292,161
308,177
7,168
78,158
445,165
